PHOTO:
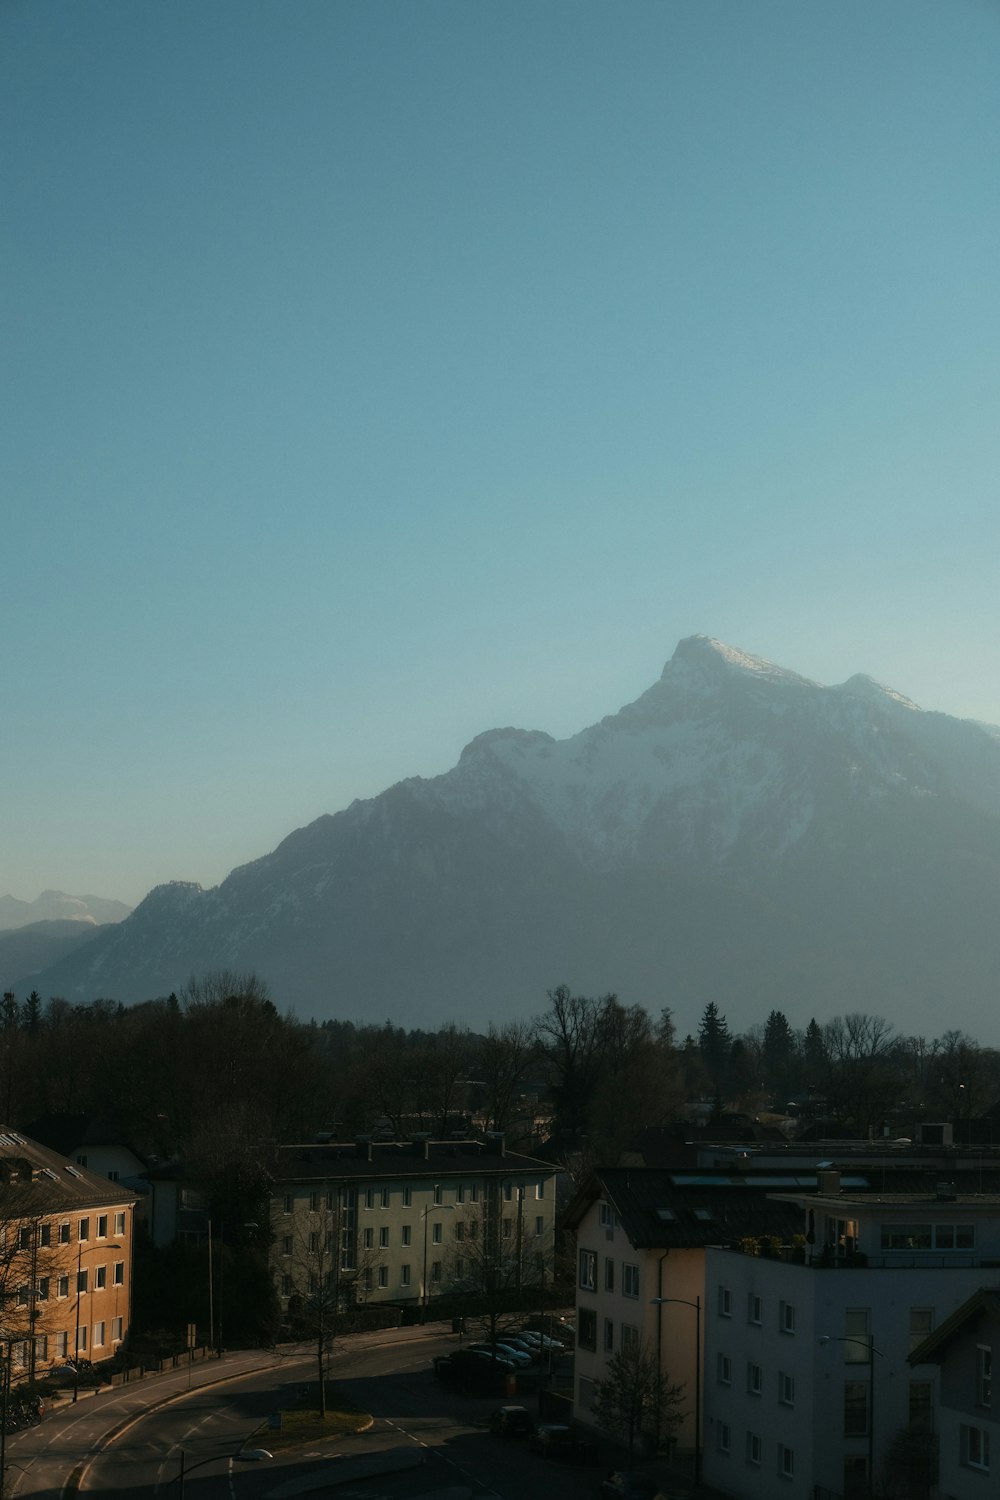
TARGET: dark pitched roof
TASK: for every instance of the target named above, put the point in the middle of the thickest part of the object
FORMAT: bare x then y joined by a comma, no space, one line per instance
932,1350
371,1160
663,1210
35,1180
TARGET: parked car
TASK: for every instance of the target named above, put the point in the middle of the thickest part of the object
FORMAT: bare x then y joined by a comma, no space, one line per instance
474,1369
518,1357
512,1422
628,1484
541,1341
555,1441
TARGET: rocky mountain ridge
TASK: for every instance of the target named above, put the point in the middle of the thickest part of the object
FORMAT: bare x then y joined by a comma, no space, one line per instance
738,833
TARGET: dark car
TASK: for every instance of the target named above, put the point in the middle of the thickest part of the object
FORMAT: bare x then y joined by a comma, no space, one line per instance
475,1371
555,1441
512,1422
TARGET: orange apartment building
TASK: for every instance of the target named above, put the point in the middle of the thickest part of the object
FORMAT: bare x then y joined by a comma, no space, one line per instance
65,1260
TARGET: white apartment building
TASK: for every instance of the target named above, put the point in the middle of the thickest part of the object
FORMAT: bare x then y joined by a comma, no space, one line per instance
967,1417
808,1380
404,1222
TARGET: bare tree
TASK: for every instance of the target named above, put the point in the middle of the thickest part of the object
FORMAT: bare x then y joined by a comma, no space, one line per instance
505,1055
634,1398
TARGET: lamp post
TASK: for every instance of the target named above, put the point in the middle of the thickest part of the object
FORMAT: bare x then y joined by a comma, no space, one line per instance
829,1338
242,1455
102,1245
696,1304
430,1208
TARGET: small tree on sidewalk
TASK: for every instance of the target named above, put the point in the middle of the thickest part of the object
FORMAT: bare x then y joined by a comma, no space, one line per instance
635,1398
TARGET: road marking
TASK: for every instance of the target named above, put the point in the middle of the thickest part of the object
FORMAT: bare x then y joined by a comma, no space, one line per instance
442,1456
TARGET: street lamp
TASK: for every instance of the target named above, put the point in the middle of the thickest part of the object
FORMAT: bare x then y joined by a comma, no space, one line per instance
659,1302
242,1455
101,1245
430,1208
829,1338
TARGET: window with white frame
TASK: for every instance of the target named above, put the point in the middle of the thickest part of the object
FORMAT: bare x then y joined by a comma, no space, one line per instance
630,1280
974,1447
508,1192
404,1274
755,1379
609,1219
436,1271
62,1286
64,1234
539,1226
723,1437
753,1449
856,1408
984,1374
786,1388
540,1189
856,1336
383,1237
405,1234
367,1239
438,1193
407,1195
921,1325
100,1277
724,1369
369,1197
928,1237
120,1222
786,1462
725,1302
286,1244
786,1317
366,1279
630,1336
460,1193
588,1270
117,1324
83,1229
383,1199
383,1275
62,1345
99,1335
314,1201
755,1309
118,1278
287,1203
437,1232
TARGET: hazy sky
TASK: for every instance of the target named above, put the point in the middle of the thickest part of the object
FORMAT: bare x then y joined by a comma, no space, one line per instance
378,373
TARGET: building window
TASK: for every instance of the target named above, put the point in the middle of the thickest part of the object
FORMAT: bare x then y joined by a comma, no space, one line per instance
287,1204
507,1227
609,1335
407,1196
587,1329
62,1345
588,1270
99,1335
540,1190
24,1238
975,1447
437,1232
755,1379
921,1325
45,1236
436,1271
753,1448
474,1193
920,1409
609,1274
384,1197
755,1309
856,1336
508,1192
404,1235
314,1242
539,1226
286,1286
786,1462
928,1237
81,1280
404,1275
438,1193
64,1234
984,1374
786,1389
723,1437
367,1239
62,1286
116,1330
286,1244
383,1275
630,1337
786,1317
366,1279
630,1281
459,1268
856,1408
314,1202
83,1230
100,1277
82,1341
102,1226
120,1220
369,1197
609,1219
119,1276
383,1237
725,1302
43,1289
724,1369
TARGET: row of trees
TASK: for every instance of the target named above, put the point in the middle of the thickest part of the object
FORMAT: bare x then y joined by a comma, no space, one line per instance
213,1072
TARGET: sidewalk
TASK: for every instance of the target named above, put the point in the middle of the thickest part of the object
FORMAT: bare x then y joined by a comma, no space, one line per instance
48,1462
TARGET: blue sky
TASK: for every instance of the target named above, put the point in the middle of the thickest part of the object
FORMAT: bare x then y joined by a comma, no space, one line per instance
377,373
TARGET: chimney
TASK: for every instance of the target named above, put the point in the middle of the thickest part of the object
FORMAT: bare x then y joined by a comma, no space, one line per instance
364,1145
827,1179
422,1142
497,1141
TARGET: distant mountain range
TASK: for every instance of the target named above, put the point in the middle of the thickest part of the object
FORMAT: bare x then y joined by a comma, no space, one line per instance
56,906
738,834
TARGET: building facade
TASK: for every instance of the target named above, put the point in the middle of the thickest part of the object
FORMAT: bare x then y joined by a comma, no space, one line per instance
66,1261
407,1222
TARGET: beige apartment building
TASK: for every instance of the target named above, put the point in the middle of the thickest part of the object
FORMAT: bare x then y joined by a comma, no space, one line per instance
65,1259
404,1222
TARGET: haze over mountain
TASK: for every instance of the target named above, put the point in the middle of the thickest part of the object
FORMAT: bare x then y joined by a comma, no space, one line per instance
737,834
56,906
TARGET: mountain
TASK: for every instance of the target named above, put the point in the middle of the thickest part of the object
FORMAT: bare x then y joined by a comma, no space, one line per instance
30,949
738,834
56,906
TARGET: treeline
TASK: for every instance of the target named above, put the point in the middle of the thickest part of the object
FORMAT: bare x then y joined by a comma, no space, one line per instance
213,1073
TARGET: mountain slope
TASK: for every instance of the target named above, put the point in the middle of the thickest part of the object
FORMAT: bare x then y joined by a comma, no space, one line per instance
739,833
